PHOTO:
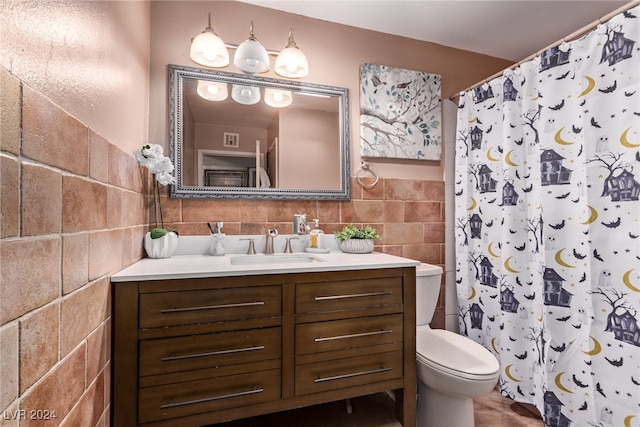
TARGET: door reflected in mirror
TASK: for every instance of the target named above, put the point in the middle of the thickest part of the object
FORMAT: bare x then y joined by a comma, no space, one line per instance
234,135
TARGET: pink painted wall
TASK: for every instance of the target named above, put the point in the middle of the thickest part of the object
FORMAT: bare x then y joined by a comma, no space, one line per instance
335,53
89,57
309,155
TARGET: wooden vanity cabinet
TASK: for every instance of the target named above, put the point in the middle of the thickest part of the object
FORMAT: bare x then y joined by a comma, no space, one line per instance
195,352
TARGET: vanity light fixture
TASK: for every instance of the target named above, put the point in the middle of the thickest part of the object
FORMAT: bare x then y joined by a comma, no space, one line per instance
292,62
277,98
251,57
209,49
246,95
212,91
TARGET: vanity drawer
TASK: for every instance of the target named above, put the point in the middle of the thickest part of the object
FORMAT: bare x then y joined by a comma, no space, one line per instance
348,295
348,334
214,394
211,305
168,355
351,372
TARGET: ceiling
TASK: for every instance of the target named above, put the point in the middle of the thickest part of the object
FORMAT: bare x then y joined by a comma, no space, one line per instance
508,29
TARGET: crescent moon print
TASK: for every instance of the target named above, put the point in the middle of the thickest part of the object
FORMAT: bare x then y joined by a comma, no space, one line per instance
490,157
547,225
560,261
493,345
472,295
491,251
558,382
507,372
559,140
508,267
597,348
507,159
474,203
625,142
593,215
591,83
626,279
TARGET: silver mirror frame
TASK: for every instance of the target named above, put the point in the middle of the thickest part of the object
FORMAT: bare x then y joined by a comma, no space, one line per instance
179,190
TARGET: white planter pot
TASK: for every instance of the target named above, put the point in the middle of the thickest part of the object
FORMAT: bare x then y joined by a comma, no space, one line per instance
357,246
162,247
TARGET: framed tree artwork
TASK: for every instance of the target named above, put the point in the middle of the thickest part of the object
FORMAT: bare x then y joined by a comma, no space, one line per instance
400,113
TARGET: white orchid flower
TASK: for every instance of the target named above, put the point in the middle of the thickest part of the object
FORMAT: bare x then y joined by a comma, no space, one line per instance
165,178
159,165
149,154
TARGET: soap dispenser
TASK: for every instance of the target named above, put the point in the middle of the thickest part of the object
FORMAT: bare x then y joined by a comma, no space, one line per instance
216,247
316,235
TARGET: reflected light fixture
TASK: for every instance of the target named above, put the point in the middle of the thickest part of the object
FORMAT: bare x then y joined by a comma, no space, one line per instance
291,62
212,91
251,57
277,98
246,95
209,49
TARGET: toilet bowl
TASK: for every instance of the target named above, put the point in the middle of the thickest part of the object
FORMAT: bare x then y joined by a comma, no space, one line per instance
452,370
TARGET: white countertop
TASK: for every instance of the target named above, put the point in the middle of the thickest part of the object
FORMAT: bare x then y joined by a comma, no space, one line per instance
199,266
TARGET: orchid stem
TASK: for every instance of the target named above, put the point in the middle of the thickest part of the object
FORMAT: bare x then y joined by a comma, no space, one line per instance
156,202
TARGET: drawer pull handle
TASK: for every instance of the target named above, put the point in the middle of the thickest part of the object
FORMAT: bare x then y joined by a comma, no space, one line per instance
211,307
363,334
369,294
209,399
355,374
212,353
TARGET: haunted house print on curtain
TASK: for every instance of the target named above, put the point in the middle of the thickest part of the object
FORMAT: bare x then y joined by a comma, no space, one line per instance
400,113
548,226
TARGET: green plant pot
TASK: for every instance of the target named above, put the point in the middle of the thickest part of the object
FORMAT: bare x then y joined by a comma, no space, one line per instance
162,247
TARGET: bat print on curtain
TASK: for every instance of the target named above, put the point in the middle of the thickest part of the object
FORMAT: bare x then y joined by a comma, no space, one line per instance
548,226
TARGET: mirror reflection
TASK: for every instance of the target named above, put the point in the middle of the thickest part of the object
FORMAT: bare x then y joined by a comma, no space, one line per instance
234,135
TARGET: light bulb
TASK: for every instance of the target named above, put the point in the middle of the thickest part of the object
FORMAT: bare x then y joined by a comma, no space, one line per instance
208,49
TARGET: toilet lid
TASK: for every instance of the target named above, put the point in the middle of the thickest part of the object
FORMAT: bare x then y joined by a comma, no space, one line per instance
454,353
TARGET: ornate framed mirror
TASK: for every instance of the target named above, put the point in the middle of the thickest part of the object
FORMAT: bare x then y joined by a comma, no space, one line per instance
245,136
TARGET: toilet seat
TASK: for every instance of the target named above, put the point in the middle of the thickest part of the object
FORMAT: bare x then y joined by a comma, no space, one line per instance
454,354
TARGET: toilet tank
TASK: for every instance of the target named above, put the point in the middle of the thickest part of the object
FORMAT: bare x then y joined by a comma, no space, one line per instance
428,279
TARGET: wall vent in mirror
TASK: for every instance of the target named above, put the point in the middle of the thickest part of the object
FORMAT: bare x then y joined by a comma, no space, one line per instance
231,140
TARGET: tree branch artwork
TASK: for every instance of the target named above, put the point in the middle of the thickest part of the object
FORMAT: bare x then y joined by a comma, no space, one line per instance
400,113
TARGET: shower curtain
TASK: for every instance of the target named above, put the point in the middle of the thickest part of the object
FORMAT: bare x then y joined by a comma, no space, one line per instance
547,224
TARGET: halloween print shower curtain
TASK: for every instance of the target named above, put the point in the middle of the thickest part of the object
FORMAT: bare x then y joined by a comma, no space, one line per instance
548,226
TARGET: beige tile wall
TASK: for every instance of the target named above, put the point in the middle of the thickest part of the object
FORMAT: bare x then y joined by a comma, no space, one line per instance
63,231
408,214
73,211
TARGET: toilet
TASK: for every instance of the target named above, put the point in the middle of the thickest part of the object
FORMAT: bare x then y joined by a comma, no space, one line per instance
452,370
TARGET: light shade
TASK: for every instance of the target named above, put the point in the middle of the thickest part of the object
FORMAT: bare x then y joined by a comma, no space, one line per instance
291,62
208,49
251,57
212,91
277,98
246,95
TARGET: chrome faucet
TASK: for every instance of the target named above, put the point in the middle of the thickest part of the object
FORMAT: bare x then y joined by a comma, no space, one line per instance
271,234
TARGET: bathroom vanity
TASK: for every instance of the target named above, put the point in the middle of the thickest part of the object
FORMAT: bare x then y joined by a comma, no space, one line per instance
199,340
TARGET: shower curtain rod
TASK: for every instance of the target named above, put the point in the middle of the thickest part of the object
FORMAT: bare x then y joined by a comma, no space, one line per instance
573,36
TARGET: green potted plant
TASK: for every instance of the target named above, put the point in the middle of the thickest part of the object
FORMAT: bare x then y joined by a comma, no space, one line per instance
357,240
160,242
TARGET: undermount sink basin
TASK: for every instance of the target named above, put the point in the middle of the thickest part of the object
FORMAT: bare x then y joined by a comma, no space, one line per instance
274,259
